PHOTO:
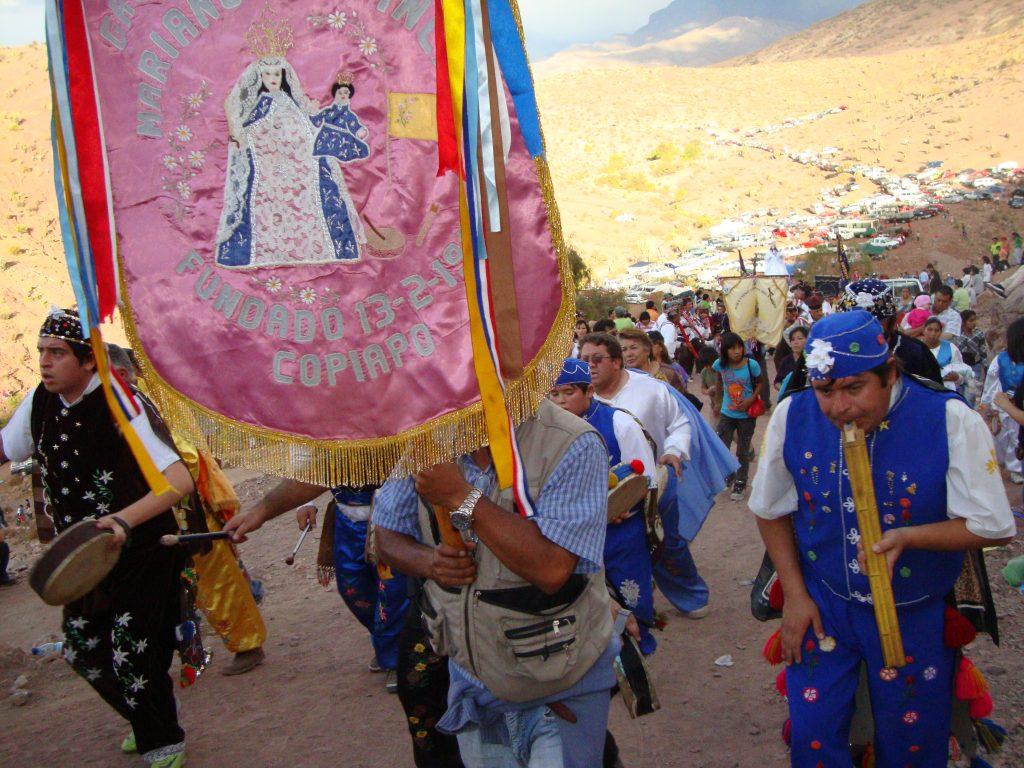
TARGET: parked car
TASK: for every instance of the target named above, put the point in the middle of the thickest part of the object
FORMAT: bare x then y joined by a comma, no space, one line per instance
884,241
899,283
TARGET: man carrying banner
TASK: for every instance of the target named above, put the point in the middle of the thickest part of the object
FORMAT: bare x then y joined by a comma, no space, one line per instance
933,506
120,636
509,604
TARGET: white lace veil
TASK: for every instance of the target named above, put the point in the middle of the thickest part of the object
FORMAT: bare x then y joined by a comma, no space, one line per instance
240,103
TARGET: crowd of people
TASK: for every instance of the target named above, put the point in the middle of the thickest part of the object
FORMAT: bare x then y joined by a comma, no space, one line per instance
506,635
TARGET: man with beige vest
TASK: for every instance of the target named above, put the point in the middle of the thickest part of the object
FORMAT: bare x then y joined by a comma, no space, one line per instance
520,608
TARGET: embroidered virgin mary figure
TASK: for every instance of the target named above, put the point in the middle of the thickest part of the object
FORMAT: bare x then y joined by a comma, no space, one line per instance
282,204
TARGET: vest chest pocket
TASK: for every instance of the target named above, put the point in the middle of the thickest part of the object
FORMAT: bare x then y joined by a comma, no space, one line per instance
540,650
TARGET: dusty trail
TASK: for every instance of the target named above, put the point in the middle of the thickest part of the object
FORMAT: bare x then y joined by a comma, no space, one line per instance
313,703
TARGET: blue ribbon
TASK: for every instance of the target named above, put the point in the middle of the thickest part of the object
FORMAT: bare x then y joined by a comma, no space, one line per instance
516,70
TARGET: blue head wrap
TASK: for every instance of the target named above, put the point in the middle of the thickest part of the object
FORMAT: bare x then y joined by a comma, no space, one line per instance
574,371
845,344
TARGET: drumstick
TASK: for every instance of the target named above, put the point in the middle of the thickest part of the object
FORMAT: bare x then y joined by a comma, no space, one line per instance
171,540
290,560
428,223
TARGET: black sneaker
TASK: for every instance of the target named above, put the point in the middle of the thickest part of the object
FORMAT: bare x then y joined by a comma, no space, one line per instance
737,490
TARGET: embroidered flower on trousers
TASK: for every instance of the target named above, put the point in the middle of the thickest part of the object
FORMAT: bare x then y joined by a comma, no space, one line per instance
630,590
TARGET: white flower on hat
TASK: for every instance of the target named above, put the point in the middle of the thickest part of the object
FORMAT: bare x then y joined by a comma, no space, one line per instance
865,301
820,357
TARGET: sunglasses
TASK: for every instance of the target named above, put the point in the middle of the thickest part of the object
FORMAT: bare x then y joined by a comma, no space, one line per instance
595,359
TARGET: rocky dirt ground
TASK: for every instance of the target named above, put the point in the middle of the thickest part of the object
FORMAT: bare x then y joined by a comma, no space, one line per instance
313,703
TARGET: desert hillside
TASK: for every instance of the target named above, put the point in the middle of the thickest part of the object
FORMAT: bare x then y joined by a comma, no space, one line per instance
882,26
695,33
647,159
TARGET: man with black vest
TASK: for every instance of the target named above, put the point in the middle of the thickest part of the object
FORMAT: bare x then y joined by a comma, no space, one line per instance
521,607
120,636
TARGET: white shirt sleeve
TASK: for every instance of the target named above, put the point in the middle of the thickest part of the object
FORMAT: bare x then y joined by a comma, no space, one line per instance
678,432
992,384
17,434
668,331
974,487
773,492
632,442
162,454
951,323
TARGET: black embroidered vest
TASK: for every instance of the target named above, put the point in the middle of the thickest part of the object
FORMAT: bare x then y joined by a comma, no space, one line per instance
87,468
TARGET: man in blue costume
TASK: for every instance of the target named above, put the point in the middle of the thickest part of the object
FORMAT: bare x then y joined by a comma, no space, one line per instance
934,505
627,561
379,605
687,445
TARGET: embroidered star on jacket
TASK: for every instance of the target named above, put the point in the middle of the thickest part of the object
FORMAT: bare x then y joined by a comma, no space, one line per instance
92,674
123,619
138,683
105,477
140,647
130,702
78,623
120,657
92,642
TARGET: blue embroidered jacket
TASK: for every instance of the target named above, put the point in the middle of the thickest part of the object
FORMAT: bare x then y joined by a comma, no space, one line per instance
601,417
909,455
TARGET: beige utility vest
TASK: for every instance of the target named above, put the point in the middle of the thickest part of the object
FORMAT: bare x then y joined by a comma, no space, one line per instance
519,642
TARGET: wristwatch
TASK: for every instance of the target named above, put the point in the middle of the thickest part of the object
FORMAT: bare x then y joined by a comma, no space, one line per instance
462,518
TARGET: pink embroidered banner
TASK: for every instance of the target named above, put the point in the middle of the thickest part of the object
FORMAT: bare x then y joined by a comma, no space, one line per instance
292,263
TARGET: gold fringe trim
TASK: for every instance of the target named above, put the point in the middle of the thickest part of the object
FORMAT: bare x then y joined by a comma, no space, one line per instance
329,463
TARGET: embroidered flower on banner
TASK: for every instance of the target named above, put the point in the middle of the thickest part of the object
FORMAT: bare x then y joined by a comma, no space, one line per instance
195,100
337,20
184,133
820,357
368,46
273,285
196,159
170,163
307,295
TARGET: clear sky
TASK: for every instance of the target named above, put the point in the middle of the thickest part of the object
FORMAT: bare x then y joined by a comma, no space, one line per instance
550,24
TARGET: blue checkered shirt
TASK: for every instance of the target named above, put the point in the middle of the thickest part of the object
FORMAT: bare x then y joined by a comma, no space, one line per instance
571,509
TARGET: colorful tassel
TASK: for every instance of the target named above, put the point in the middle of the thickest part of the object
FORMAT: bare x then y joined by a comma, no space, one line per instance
981,707
970,684
775,596
780,683
991,735
772,651
958,630
787,733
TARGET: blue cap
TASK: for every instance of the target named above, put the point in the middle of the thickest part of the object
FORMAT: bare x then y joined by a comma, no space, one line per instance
845,344
574,371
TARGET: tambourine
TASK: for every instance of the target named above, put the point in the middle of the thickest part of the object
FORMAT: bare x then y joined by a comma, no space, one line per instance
74,564
628,486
